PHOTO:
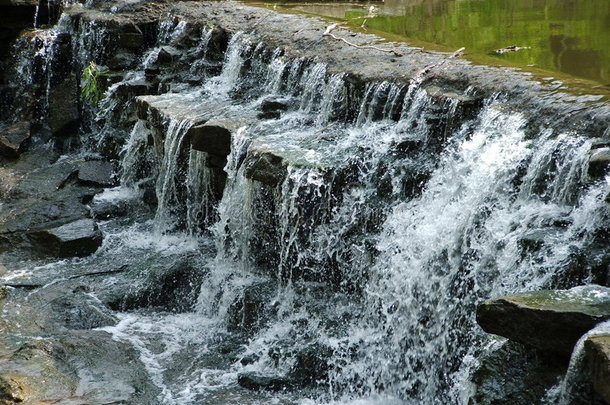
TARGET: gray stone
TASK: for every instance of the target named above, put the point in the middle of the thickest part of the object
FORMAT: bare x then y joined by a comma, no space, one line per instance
514,374
550,320
597,351
123,61
213,138
172,289
14,139
599,161
167,54
96,173
79,238
264,166
251,310
63,106
131,40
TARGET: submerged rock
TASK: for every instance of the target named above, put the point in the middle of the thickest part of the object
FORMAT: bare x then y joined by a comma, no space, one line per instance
79,238
256,382
251,310
550,320
14,139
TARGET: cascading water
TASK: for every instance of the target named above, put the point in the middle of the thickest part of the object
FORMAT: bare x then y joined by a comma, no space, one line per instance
389,217
419,272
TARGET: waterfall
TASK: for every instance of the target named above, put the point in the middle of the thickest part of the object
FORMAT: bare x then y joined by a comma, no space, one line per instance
138,160
392,213
169,191
199,198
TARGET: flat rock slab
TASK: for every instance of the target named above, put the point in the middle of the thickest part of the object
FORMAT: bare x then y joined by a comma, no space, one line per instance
96,173
550,320
194,107
79,238
14,139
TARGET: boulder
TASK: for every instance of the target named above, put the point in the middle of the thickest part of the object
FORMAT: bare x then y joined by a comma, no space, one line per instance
213,137
597,351
550,320
96,173
272,108
63,106
599,161
174,289
264,166
79,238
14,139
123,61
167,54
131,40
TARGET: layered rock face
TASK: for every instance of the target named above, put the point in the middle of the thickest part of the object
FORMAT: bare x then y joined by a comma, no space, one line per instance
295,215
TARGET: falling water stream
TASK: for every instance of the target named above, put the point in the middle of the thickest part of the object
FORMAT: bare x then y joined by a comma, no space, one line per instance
395,217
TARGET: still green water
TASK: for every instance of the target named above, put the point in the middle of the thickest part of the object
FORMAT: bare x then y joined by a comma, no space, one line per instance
570,38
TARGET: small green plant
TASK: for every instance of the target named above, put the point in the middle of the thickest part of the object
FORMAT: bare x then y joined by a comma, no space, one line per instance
91,89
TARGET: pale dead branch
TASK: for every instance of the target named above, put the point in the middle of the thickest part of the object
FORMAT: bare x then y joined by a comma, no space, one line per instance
328,33
419,77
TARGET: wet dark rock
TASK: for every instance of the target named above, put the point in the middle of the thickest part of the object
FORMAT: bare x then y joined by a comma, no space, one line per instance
550,320
272,108
78,311
48,12
63,107
597,352
167,54
311,366
14,139
599,162
15,16
135,88
123,61
79,238
213,137
217,161
514,374
264,166
252,311
149,193
257,382
107,210
534,240
172,289
96,173
131,38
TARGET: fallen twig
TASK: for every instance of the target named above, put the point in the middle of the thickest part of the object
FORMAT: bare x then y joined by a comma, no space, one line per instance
419,77
330,28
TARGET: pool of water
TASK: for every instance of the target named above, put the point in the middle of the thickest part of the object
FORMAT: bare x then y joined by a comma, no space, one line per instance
570,38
